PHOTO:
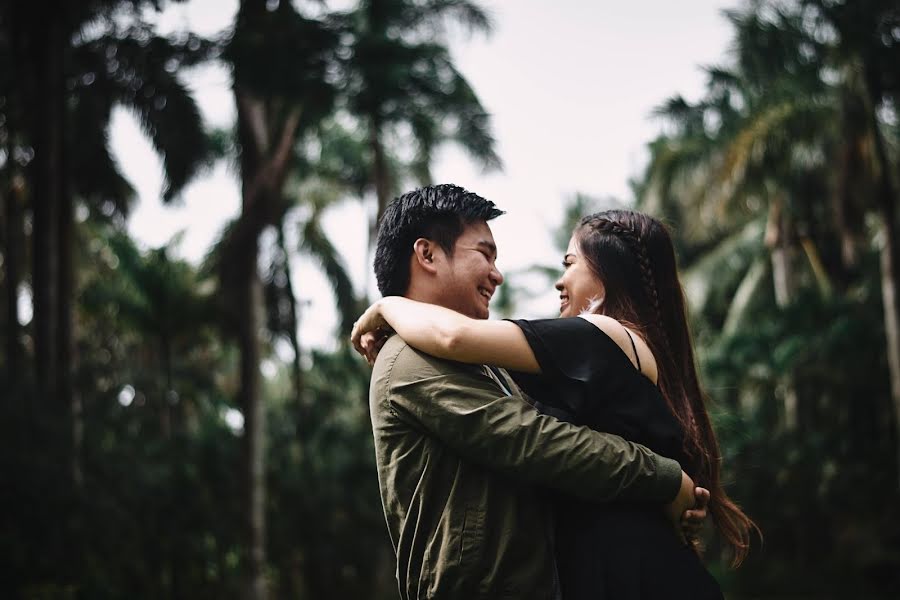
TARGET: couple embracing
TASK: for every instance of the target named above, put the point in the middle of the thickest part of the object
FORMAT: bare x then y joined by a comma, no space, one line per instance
539,459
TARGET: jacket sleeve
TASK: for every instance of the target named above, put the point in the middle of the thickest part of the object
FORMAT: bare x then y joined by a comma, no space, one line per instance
466,411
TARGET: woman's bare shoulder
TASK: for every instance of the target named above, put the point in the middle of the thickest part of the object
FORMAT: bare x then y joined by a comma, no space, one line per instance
611,327
623,337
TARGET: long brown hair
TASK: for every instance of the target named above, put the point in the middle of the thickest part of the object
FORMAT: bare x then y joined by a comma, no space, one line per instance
633,256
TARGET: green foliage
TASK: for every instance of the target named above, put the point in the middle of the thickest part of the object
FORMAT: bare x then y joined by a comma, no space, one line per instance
139,70
772,169
768,182
824,492
402,86
158,509
281,54
327,527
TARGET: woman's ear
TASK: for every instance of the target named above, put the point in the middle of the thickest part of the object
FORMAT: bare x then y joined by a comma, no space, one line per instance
423,251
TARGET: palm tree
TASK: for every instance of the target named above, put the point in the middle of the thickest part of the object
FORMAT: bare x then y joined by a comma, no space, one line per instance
279,61
109,66
150,326
31,34
142,75
11,192
401,77
56,113
773,130
761,137
865,52
13,200
164,300
328,166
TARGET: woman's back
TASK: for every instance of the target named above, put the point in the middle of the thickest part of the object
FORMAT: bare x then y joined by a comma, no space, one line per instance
624,551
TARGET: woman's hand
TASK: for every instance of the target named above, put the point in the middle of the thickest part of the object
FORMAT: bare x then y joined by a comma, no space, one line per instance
692,520
371,344
684,501
369,333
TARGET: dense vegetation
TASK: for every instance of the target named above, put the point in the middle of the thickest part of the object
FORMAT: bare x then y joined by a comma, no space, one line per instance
144,455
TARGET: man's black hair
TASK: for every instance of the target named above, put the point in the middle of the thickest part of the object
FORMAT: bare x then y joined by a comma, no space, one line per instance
436,212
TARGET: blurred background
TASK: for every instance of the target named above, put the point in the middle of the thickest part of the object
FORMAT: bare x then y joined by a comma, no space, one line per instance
188,194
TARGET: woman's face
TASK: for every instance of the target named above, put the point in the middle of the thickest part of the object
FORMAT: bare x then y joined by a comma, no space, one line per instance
578,286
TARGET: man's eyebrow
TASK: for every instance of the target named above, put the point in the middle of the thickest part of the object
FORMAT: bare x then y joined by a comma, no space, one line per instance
490,246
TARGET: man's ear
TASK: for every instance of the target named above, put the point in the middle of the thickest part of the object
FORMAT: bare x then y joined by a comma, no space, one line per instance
423,251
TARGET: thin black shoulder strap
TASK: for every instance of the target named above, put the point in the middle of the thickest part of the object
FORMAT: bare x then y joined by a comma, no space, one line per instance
634,347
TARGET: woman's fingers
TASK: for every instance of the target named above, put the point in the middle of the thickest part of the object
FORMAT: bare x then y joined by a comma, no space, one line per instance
368,335
693,519
356,339
366,342
371,344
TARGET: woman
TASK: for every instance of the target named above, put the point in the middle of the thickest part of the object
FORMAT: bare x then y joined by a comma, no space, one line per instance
620,360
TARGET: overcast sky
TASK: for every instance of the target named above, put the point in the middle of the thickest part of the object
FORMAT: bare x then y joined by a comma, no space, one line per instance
570,85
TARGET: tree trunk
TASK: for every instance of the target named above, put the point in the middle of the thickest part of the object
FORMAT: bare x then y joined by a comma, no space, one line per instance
264,164
14,234
167,397
778,241
250,306
266,138
65,347
847,208
293,323
12,260
42,39
889,277
243,251
46,201
47,198
890,263
380,173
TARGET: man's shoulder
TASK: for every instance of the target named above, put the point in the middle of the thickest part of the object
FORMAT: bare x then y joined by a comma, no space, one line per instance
397,357
398,362
401,370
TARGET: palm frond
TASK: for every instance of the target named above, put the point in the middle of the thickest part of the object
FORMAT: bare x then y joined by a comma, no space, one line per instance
720,270
93,171
747,295
142,75
316,244
437,14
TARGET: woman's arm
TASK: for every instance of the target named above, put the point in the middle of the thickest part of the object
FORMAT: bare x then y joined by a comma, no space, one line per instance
447,334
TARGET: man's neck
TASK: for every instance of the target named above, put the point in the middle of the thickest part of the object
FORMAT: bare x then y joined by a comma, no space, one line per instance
426,295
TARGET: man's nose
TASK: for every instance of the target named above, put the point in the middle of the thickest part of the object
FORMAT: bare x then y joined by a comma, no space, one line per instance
496,276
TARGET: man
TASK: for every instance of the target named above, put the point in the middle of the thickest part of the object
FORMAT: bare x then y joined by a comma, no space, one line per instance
461,454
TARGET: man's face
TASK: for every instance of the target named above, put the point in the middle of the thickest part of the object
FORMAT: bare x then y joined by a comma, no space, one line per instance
470,276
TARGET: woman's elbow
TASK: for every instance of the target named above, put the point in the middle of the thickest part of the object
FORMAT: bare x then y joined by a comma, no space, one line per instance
451,340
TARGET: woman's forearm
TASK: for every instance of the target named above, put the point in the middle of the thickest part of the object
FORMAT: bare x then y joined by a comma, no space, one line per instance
426,327
448,334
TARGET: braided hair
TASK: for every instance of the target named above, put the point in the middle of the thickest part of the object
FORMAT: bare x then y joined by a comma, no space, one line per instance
638,250
633,256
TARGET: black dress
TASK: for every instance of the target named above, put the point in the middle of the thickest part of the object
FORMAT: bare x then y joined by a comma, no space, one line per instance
611,551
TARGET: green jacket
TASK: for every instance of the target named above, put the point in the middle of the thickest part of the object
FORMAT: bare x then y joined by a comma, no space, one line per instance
461,467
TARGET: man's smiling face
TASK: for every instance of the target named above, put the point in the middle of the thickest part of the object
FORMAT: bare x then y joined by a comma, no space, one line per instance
470,276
